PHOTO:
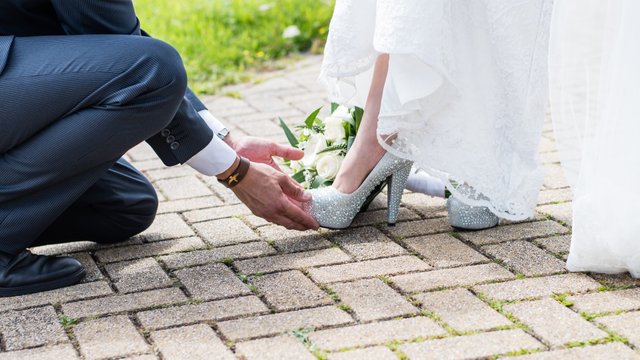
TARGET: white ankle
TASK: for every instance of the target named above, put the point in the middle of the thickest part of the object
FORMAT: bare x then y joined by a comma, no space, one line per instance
420,181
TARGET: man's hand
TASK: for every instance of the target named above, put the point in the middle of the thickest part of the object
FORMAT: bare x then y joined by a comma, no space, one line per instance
262,151
269,194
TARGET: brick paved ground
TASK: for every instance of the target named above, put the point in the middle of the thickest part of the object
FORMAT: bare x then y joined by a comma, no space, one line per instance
211,281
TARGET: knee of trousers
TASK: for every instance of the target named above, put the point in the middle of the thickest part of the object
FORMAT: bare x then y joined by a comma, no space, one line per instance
138,214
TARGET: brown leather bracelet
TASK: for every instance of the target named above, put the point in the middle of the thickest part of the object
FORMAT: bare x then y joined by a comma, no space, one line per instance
238,174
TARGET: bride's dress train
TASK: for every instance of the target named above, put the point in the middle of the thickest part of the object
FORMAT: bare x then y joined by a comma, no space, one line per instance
595,81
465,92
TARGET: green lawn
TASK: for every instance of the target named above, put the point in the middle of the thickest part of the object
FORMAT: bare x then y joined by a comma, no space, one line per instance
221,39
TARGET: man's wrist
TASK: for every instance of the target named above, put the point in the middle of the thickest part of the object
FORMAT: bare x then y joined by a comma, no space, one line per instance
229,140
230,170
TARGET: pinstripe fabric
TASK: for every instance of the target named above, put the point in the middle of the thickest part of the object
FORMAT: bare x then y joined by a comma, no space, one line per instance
72,104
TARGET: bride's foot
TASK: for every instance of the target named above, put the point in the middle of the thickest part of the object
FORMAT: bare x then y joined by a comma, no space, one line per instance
336,210
358,163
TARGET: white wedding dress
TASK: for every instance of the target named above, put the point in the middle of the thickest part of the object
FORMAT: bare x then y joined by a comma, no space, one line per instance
466,90
595,82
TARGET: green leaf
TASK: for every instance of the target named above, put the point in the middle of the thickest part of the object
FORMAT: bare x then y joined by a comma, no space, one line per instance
317,182
333,148
298,177
350,141
334,106
292,138
312,118
358,114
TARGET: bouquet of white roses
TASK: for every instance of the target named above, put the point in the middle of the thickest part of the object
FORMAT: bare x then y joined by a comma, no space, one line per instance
325,143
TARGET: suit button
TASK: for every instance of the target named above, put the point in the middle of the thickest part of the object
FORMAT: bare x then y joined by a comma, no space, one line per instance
170,139
175,145
165,132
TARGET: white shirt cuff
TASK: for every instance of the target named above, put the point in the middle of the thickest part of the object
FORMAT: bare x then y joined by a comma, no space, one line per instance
217,156
211,120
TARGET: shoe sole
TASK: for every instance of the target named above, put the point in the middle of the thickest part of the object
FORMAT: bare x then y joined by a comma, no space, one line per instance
52,285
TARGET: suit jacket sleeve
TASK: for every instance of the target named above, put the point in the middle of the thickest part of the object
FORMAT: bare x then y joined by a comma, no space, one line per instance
189,132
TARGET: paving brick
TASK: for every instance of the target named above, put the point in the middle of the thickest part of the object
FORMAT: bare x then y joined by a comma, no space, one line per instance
170,172
521,231
284,347
554,177
609,301
146,165
183,188
215,213
273,324
554,196
561,212
525,258
201,257
472,346
618,281
372,353
189,204
375,333
538,287
109,337
142,152
227,195
427,206
225,232
255,221
367,243
210,282
611,351
81,246
30,328
190,342
445,278
71,293
290,290
443,250
292,261
292,240
380,217
461,310
367,269
57,352
147,250
420,227
555,244
129,302
167,226
209,311
372,299
93,273
137,275
625,324
555,323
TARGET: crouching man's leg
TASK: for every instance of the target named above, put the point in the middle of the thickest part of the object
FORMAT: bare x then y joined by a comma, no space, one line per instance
71,107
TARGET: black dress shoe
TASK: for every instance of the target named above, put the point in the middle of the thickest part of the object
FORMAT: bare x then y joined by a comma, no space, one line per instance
27,273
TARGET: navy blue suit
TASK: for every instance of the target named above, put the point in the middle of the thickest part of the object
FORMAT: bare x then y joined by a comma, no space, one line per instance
80,84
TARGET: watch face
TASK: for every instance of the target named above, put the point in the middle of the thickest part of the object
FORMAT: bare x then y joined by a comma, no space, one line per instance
223,133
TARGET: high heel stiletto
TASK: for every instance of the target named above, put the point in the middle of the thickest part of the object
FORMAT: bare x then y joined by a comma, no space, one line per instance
335,210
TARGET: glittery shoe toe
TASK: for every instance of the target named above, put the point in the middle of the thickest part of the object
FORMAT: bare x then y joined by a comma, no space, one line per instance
469,217
335,210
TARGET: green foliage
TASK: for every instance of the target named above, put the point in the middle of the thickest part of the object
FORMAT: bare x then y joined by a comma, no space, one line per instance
288,133
67,322
220,40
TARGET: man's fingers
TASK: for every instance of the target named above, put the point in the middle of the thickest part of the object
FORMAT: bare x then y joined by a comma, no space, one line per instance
298,216
286,152
293,190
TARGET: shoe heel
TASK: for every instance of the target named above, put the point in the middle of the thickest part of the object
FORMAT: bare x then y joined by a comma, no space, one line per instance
396,183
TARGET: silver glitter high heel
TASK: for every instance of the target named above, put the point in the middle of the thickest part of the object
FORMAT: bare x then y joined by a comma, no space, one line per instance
469,217
335,210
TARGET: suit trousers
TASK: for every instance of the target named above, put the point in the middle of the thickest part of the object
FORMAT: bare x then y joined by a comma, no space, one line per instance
71,106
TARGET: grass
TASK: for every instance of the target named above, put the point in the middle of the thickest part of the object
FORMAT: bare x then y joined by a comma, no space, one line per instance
222,41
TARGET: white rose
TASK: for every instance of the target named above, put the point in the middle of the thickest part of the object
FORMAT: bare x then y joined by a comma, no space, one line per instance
296,166
315,144
342,112
328,165
334,130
